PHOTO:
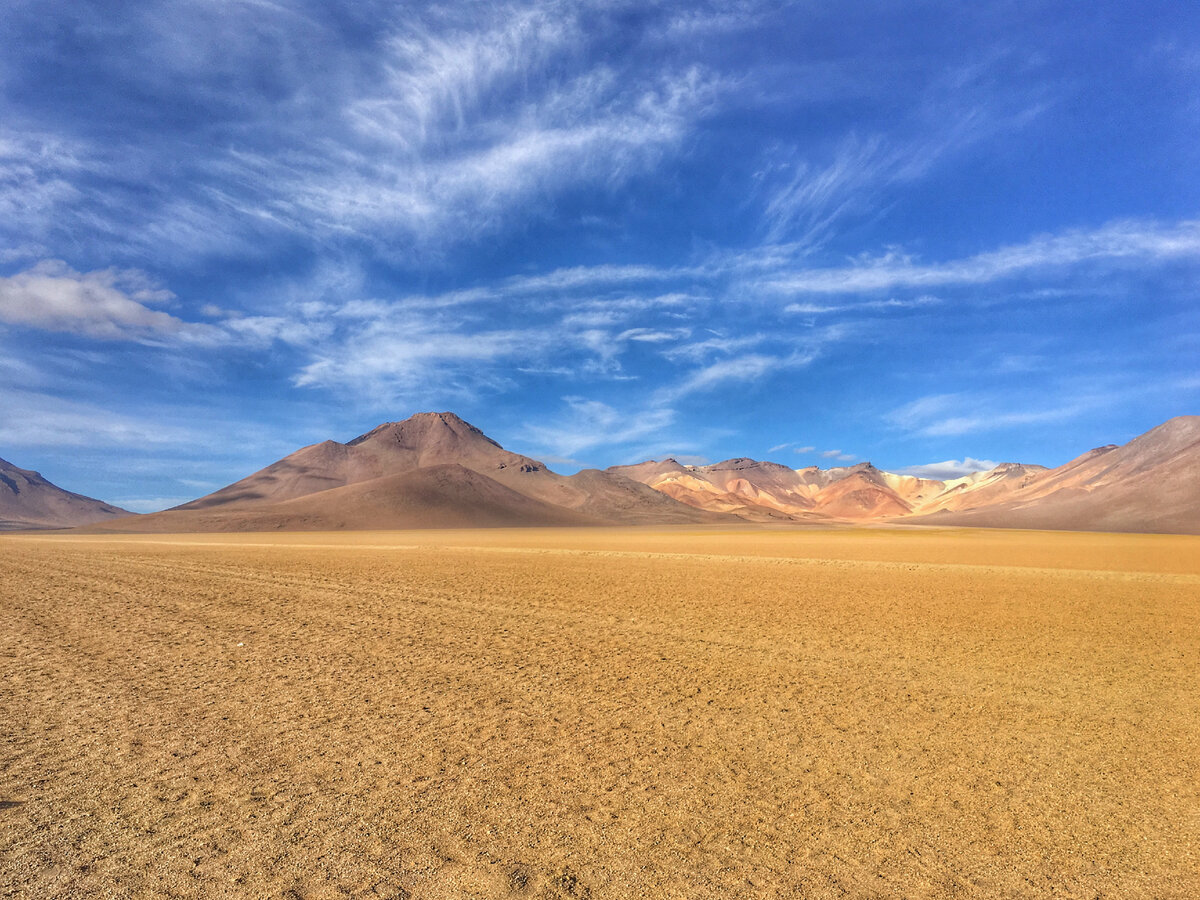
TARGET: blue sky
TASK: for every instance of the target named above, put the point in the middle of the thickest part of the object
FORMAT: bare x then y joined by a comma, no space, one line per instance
915,233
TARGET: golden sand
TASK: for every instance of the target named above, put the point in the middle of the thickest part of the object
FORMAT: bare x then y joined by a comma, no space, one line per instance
600,713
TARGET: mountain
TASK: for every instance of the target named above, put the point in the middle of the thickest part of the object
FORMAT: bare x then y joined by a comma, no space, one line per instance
435,470
768,491
432,470
757,491
439,496
27,500
1150,484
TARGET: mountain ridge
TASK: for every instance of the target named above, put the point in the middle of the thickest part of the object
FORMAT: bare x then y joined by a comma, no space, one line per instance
384,478
29,501
437,470
1152,483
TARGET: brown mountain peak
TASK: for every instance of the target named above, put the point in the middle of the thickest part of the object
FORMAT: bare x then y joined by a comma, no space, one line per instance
744,462
1170,437
427,430
1017,468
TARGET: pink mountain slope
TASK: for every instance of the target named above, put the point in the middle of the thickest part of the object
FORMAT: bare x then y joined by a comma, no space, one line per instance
27,500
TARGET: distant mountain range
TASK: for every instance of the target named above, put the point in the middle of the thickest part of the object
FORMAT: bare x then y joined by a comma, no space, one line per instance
434,470
1150,484
765,491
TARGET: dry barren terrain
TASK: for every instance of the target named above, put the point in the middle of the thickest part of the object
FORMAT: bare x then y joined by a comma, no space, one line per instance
600,713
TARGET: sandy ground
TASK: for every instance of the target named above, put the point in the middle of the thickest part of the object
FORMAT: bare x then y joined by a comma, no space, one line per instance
600,713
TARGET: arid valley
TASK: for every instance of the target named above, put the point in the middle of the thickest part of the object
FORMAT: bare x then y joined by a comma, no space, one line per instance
687,712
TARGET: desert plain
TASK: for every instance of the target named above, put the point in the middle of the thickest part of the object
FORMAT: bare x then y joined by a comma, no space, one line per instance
691,712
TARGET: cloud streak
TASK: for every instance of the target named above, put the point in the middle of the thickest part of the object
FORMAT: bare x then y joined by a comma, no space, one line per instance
587,424
1116,244
949,469
36,419
952,415
451,122
109,304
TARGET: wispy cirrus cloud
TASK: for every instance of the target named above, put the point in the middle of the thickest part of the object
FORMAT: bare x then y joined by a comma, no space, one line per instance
805,197
475,118
794,352
37,419
37,175
586,424
400,357
951,415
889,305
466,189
653,335
585,278
1124,243
748,367
576,324
445,125
719,344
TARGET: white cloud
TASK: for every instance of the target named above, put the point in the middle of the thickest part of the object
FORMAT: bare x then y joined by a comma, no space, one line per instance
110,304
950,415
34,419
804,199
449,122
811,199
796,448
750,366
471,122
118,304
589,277
1118,243
893,303
401,355
699,351
263,330
588,424
950,468
653,336
739,368
36,173
721,19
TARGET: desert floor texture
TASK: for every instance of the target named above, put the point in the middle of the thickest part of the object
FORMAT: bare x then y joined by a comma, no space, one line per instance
600,713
